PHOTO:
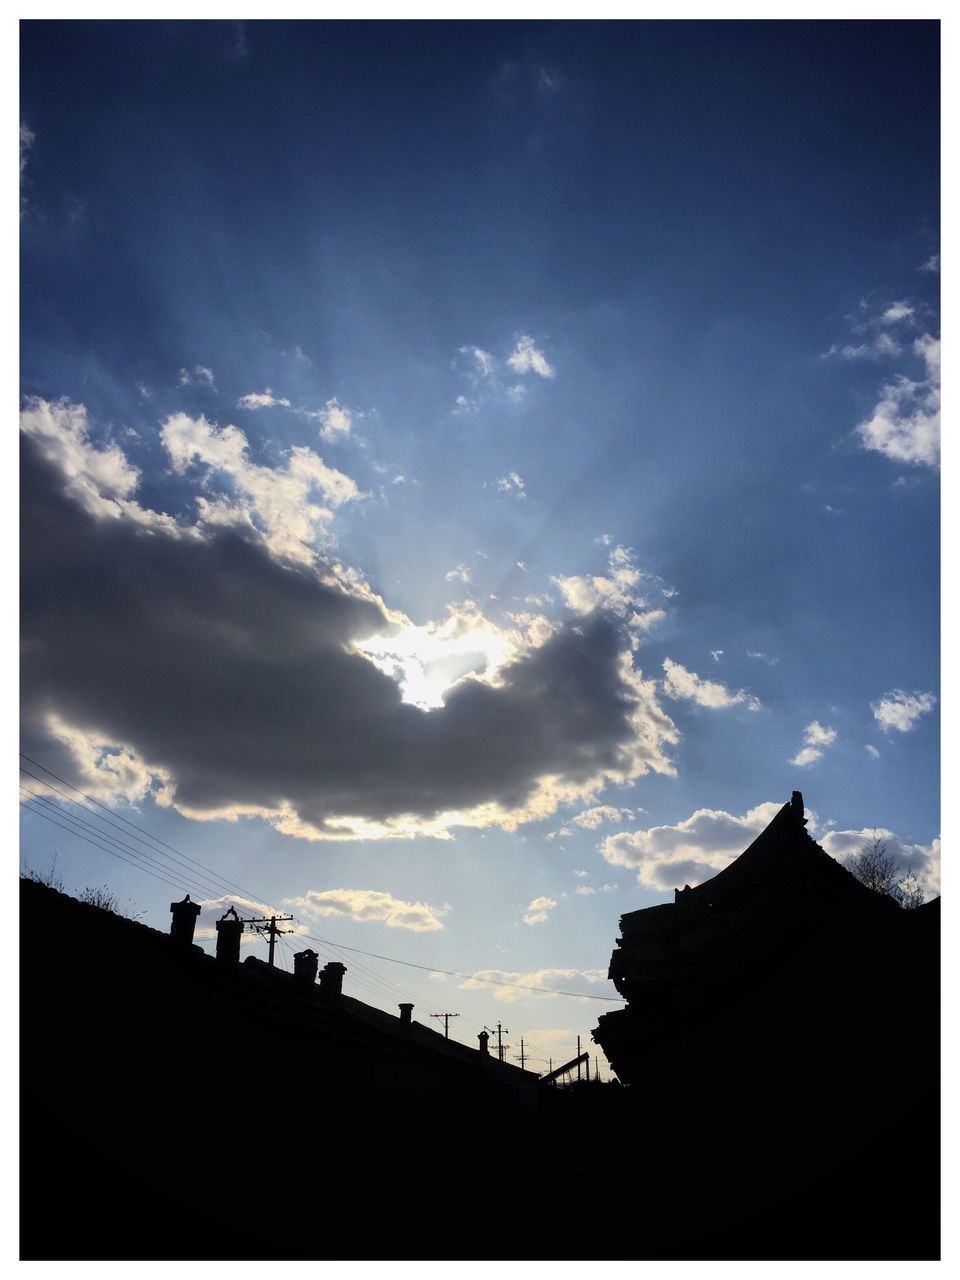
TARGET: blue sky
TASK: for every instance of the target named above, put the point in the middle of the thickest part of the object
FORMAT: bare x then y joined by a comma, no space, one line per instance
475,471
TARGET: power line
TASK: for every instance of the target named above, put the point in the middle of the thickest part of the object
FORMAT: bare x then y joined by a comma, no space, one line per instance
391,986
452,973
70,816
40,814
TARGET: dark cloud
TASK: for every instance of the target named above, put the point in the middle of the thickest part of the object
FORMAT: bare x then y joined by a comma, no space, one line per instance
233,674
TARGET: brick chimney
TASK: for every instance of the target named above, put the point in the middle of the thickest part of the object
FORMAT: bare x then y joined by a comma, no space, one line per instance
305,967
184,920
483,1037
406,1011
229,929
331,978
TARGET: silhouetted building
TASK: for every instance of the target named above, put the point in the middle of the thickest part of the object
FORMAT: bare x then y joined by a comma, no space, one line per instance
781,1036
133,1040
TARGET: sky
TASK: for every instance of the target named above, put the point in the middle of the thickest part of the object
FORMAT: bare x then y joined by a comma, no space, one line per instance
471,473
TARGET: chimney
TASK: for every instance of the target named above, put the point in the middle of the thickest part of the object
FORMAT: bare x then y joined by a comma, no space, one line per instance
184,920
305,967
331,978
228,937
483,1037
405,1014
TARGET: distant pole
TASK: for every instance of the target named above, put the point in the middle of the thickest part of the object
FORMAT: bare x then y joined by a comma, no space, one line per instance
520,1055
446,1022
269,927
596,1063
578,1057
587,1066
500,1031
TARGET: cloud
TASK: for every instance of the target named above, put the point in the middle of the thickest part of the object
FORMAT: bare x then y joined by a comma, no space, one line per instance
932,264
212,909
538,910
681,683
716,654
580,982
896,312
511,483
901,711
199,373
336,421
618,590
585,890
880,345
590,819
762,657
262,400
815,738
460,574
233,674
370,905
525,358
483,360
27,139
905,423
873,751
281,504
921,859
99,478
688,852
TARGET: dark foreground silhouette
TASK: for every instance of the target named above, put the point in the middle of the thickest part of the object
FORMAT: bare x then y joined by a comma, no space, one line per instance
180,1106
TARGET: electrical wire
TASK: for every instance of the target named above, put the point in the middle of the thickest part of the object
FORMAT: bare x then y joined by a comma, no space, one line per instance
370,974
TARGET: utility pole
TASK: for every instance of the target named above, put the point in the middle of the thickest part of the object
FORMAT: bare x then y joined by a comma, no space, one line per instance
596,1063
578,1057
500,1045
446,1022
268,928
521,1055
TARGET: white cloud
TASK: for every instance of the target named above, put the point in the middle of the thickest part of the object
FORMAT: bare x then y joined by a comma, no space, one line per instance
516,393
482,359
922,859
896,312
463,405
932,264
512,483
617,590
905,424
873,751
538,910
101,480
211,910
716,654
280,503
579,982
690,851
262,400
762,657
585,890
370,905
525,358
681,683
336,421
460,574
590,819
816,737
881,344
901,711
580,872
199,373
27,139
